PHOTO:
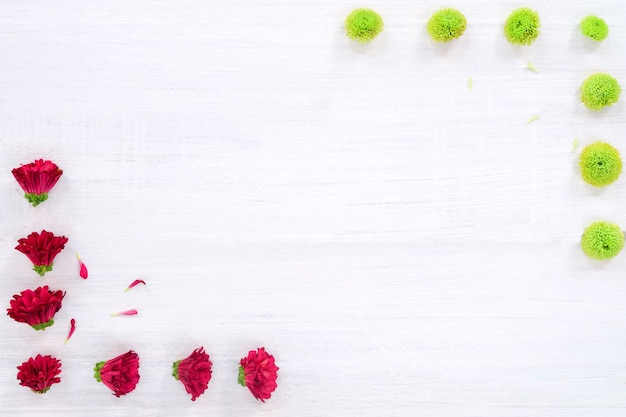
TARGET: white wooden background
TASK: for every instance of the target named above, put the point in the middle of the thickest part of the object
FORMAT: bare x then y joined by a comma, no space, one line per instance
404,246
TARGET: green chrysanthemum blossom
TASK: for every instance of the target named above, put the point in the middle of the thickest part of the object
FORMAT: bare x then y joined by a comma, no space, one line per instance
600,90
522,26
363,25
602,240
594,27
600,164
446,24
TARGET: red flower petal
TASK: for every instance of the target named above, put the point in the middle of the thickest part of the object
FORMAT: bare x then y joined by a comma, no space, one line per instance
134,283
258,372
39,373
126,313
83,268
72,329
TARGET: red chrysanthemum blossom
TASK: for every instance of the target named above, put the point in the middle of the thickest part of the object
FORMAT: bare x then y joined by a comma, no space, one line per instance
41,249
37,179
257,371
36,308
39,373
194,372
120,374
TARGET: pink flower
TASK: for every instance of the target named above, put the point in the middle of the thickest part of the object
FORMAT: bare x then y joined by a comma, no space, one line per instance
37,179
257,371
194,372
120,374
39,373
36,308
41,249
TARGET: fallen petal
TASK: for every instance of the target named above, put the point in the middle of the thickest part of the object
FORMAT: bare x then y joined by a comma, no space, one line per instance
135,283
83,268
126,313
72,328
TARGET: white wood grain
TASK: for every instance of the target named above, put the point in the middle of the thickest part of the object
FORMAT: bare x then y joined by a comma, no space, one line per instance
401,244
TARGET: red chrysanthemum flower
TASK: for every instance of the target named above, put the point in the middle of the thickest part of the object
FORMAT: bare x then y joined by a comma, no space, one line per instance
120,374
194,372
37,179
257,371
41,249
39,373
36,308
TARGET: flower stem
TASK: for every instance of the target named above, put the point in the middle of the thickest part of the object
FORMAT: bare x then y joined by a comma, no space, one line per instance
241,379
36,199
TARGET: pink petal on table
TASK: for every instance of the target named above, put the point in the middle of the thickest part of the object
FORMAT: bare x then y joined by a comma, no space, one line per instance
134,283
83,268
72,328
126,313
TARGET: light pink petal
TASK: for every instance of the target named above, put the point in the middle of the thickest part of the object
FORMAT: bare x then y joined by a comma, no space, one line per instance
83,268
72,329
126,313
134,283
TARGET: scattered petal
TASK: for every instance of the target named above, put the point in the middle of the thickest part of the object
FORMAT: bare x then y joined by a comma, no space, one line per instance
126,313
575,145
531,67
134,283
72,328
470,83
533,118
83,268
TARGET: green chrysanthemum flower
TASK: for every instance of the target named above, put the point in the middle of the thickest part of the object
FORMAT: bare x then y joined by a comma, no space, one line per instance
602,240
522,26
600,90
600,164
446,24
594,27
363,25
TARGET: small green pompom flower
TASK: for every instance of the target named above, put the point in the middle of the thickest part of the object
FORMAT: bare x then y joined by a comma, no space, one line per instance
602,240
363,25
600,164
594,27
600,90
446,24
522,26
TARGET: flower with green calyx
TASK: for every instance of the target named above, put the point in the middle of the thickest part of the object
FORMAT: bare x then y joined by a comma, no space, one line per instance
602,240
446,24
36,308
194,372
522,26
363,25
120,374
595,28
600,164
600,90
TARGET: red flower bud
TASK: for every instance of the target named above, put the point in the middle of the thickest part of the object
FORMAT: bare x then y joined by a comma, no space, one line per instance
36,308
41,249
120,374
37,179
257,371
194,372
39,373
